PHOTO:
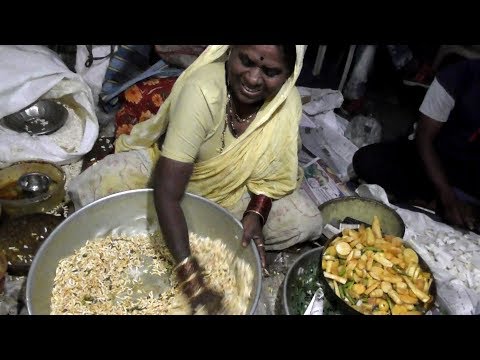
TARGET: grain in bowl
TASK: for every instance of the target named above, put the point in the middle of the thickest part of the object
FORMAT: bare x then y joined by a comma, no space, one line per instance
132,275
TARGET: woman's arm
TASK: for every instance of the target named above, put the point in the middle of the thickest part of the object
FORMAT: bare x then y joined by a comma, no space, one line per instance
170,182
277,181
254,218
189,117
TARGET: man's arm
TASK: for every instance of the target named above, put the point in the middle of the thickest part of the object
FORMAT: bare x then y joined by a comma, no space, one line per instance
426,132
451,207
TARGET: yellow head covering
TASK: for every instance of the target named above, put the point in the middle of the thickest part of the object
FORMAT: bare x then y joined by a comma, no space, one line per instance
262,160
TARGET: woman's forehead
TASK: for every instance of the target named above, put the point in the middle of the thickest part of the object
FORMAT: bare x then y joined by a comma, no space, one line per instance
265,53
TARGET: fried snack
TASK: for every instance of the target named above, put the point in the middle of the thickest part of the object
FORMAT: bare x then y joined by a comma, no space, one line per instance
377,274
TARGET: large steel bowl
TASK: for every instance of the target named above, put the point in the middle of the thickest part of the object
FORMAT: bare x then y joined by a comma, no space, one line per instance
131,212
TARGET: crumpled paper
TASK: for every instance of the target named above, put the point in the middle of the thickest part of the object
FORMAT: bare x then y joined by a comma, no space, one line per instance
321,100
319,103
323,132
316,305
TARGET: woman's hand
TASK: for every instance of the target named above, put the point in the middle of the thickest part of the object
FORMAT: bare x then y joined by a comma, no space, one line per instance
192,283
252,230
209,300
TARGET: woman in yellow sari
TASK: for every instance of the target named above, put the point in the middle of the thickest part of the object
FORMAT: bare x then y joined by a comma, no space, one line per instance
230,134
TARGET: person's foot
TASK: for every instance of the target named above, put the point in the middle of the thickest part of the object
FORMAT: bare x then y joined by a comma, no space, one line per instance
350,108
422,77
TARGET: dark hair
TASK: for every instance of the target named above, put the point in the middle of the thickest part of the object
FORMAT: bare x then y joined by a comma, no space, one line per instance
290,54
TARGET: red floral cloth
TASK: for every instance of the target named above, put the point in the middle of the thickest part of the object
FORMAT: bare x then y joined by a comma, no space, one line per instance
140,102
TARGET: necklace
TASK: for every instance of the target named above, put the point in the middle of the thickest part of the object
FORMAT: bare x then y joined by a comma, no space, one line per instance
222,146
234,132
230,114
233,112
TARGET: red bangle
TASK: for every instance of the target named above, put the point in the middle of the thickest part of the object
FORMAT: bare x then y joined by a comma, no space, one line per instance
261,205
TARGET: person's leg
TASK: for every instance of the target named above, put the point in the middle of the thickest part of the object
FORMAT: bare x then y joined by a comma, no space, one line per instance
418,71
468,181
357,82
463,172
356,87
293,219
397,168
114,173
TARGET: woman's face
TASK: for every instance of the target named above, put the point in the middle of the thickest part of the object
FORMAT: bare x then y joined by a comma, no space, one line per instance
256,72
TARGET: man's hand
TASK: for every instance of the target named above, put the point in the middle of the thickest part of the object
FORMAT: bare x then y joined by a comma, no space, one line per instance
252,230
456,212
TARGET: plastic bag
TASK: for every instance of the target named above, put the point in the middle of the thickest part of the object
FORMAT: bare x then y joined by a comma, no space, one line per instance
94,74
363,130
29,73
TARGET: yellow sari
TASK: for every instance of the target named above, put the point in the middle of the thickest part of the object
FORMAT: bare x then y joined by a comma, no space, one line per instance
263,160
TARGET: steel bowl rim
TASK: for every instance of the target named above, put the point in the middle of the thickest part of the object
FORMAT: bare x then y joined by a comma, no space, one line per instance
72,217
288,275
41,197
373,201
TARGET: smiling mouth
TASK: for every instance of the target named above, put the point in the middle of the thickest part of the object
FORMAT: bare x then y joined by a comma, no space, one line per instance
249,91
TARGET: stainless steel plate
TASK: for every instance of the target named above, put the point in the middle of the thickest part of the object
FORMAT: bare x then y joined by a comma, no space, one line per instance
42,118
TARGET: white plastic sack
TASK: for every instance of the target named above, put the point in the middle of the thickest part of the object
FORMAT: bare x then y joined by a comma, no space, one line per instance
95,73
29,73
